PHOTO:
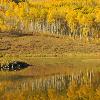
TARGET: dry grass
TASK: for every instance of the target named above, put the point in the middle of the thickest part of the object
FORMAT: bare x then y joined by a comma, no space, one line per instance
47,44
50,54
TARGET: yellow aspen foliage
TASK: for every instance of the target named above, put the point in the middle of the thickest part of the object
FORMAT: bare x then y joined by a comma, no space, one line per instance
98,15
97,95
52,13
33,12
52,94
86,92
77,17
72,91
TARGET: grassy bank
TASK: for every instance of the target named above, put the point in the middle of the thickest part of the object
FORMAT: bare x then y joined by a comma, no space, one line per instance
49,54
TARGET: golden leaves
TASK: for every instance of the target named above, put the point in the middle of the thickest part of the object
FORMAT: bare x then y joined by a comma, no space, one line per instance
78,15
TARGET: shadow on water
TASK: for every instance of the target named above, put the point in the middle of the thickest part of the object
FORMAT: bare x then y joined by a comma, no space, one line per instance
16,78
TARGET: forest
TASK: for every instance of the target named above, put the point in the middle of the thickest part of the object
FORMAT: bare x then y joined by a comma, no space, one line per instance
68,17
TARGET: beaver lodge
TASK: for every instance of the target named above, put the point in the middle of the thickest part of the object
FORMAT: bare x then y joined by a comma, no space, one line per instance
14,66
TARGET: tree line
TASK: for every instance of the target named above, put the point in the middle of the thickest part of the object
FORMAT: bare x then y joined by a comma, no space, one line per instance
72,18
